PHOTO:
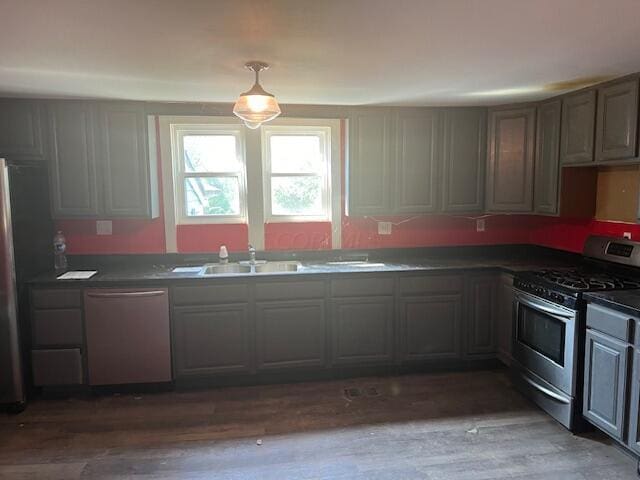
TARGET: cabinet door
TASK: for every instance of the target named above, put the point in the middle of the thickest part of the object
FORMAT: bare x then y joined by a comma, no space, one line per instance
617,123
430,327
370,177
21,130
362,330
74,189
124,160
211,340
634,405
605,379
416,162
463,160
547,166
576,131
482,315
510,168
290,334
505,317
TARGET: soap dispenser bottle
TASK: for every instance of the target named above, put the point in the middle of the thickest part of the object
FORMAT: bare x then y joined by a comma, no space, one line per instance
224,254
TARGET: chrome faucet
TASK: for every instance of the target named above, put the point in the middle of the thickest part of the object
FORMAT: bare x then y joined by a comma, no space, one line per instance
252,255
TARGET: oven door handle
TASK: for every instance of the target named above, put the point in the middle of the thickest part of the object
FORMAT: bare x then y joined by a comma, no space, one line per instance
545,308
545,390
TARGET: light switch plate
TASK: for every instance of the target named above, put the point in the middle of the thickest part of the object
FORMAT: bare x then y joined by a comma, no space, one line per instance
480,225
384,228
104,227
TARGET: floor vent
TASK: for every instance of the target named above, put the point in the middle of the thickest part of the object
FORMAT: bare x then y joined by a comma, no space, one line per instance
355,392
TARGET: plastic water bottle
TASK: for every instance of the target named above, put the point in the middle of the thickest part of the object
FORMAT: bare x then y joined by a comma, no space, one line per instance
59,252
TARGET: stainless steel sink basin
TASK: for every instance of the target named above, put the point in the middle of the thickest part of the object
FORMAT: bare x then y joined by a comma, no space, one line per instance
274,267
222,268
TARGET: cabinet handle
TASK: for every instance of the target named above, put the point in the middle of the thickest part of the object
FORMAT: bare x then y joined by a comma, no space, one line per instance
153,293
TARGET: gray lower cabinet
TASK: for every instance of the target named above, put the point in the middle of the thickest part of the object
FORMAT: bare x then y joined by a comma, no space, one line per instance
633,439
463,160
617,121
21,130
290,334
547,164
362,330
416,156
511,159
430,327
605,380
73,174
211,339
481,314
504,313
577,127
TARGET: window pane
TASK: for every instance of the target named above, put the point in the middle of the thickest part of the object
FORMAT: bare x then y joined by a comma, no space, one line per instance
296,195
296,154
210,153
212,196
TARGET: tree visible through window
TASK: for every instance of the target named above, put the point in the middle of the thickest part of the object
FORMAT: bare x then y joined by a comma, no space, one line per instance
296,173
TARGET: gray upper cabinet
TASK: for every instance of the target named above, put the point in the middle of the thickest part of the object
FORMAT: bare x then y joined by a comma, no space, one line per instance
605,378
370,169
463,160
617,122
416,157
21,136
510,161
100,162
127,172
577,129
547,165
74,188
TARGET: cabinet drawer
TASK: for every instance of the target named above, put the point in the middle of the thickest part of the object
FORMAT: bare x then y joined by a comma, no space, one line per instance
57,367
356,287
610,322
289,290
57,327
208,294
430,284
56,298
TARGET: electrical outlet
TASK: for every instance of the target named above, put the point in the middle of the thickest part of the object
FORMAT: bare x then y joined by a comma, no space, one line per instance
627,235
480,225
104,227
384,228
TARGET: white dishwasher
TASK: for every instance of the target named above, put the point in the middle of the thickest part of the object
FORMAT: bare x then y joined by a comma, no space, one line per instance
128,339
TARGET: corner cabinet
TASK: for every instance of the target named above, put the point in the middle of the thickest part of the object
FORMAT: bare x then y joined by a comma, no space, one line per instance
100,163
577,129
617,121
463,160
547,164
21,130
511,159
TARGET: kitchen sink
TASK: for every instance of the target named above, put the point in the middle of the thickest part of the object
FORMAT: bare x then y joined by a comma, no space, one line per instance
274,267
222,268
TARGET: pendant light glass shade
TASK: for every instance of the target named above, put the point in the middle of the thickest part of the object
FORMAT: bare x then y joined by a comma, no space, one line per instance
256,105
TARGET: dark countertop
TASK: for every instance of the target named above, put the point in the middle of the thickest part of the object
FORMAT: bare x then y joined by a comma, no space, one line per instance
627,301
156,274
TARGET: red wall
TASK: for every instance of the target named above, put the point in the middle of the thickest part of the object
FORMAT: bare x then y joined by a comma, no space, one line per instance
147,236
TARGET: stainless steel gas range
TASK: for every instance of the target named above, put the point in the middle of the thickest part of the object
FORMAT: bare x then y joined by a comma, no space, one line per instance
549,323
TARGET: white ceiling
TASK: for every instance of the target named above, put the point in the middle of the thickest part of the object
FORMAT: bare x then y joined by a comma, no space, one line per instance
401,52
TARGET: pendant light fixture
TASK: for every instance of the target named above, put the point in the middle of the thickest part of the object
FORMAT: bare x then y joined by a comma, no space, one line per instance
256,105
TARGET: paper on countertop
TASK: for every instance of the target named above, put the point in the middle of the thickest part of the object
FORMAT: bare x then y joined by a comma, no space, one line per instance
77,275
186,269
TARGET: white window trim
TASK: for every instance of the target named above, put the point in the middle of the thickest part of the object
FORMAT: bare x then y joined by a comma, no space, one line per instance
178,132
325,133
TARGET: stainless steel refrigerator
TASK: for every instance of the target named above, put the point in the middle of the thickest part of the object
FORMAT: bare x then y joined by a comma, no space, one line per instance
25,238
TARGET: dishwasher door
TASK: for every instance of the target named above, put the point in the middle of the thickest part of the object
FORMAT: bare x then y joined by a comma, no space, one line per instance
128,338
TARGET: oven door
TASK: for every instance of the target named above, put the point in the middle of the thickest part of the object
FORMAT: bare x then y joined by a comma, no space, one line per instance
544,340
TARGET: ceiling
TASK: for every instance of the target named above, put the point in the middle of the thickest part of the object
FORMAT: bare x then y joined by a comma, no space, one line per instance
353,52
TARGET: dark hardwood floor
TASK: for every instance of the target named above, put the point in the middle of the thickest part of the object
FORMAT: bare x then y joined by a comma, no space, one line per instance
441,426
